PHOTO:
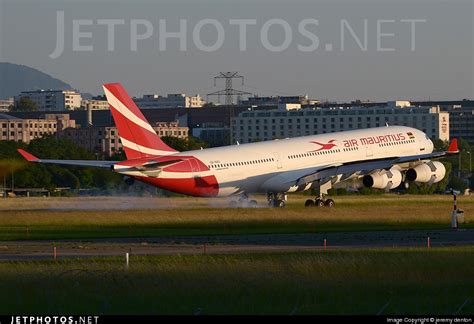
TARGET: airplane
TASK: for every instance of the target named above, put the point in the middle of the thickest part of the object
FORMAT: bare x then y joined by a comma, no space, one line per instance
382,157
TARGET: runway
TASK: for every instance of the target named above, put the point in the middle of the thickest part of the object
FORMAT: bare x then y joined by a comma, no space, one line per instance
25,250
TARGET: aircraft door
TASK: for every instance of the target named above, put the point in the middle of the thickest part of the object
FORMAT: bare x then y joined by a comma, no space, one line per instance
277,159
368,151
421,143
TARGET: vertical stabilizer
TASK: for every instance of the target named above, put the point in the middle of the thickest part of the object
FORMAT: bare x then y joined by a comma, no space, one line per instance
138,138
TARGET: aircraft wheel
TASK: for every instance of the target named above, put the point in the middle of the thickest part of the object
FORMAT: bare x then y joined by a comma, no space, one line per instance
279,203
319,202
329,203
309,203
233,204
253,204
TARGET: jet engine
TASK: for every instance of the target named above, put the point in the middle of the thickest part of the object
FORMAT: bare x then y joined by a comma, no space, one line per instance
429,172
383,179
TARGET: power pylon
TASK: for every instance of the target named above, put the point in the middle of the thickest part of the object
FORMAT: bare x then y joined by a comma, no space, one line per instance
228,92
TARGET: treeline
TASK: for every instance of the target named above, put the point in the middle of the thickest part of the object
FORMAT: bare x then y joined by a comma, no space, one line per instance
14,170
22,174
458,167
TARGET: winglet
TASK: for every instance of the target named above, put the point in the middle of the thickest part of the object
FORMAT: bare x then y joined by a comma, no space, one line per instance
29,157
453,147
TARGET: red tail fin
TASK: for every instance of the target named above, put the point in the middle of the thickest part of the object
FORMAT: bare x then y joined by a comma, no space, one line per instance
138,138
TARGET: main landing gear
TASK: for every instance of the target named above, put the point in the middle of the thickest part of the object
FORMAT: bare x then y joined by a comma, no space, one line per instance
319,202
243,202
277,200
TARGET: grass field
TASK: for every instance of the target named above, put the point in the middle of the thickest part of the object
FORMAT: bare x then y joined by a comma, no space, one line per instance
60,218
381,281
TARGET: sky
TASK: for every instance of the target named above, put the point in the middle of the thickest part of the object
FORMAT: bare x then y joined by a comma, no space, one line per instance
336,50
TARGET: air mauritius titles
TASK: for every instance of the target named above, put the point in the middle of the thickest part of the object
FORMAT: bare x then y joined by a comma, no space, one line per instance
377,139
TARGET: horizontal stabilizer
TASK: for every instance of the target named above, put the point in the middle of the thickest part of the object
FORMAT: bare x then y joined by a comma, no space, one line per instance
29,157
85,163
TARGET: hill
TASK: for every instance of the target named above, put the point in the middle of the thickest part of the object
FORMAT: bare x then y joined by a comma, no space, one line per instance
16,78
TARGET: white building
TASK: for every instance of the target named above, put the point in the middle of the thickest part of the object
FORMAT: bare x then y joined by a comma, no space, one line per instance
251,126
289,106
94,104
105,140
277,100
26,130
5,104
179,100
399,104
53,100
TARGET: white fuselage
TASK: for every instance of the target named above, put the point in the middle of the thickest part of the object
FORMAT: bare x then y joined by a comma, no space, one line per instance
272,166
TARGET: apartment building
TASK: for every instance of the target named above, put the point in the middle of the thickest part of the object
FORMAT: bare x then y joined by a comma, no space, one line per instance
251,126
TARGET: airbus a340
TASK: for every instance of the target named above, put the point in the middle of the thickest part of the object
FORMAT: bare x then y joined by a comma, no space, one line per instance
382,157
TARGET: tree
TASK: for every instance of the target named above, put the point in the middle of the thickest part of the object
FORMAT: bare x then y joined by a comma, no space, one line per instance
457,183
463,156
118,156
184,144
25,104
440,145
33,175
438,187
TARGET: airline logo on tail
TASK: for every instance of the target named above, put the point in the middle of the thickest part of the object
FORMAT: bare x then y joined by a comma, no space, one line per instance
138,138
324,146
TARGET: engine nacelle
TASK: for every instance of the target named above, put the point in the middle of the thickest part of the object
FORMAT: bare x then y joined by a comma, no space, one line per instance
383,179
429,172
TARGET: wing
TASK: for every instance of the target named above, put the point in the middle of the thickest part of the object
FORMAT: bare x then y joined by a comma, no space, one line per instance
347,170
86,163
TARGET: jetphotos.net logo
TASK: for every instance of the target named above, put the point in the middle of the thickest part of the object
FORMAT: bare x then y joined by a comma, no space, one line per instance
307,35
54,320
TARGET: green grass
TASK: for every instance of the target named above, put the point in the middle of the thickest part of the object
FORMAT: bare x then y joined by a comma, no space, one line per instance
390,281
19,220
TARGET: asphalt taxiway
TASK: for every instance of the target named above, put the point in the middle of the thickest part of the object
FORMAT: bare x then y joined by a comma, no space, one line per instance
25,250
